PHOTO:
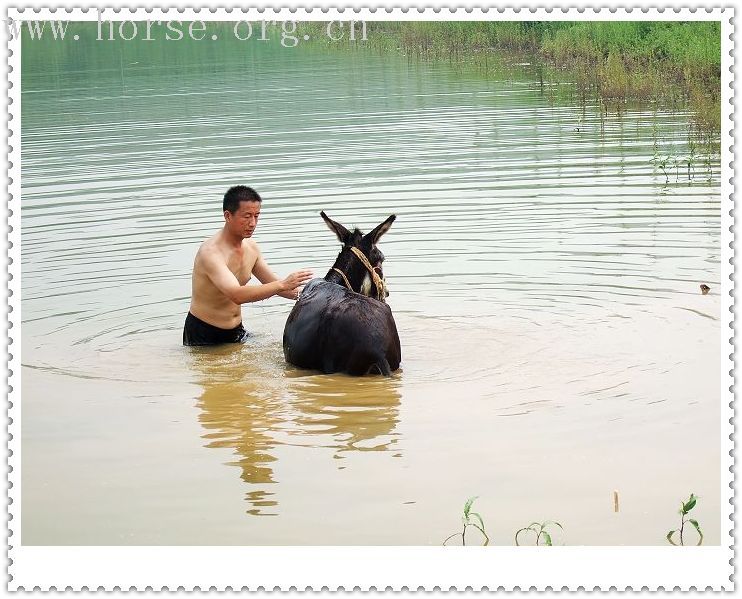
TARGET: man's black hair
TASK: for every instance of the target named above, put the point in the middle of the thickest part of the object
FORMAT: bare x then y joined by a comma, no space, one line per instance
237,194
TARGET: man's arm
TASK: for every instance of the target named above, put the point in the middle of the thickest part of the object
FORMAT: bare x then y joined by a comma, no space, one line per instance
265,275
228,284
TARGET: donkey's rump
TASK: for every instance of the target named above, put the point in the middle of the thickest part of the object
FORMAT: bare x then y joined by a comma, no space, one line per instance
332,329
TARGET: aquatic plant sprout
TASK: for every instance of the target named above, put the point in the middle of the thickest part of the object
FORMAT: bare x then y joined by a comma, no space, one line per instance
685,508
539,529
662,163
466,520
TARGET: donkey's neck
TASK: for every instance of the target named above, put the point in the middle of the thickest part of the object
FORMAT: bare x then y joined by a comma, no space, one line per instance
351,267
333,276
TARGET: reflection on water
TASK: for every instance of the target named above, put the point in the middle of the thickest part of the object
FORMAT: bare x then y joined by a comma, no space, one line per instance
239,411
355,414
249,406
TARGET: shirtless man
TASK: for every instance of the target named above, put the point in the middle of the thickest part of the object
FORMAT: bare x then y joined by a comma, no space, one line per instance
224,264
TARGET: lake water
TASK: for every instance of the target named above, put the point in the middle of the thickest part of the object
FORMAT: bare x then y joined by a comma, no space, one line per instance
544,276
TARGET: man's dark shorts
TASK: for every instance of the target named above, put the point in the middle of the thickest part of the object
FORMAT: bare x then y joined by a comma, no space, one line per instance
198,332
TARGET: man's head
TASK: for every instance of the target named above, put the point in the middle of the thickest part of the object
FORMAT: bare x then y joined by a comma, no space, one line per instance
241,207
237,194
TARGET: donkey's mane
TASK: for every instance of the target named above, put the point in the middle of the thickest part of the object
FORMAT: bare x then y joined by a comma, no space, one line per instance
356,236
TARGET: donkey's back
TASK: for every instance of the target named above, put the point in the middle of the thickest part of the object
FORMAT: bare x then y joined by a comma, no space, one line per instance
333,329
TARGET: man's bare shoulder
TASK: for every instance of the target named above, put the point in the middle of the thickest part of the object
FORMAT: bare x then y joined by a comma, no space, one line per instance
250,245
209,249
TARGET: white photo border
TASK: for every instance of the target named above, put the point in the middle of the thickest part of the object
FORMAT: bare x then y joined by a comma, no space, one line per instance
366,568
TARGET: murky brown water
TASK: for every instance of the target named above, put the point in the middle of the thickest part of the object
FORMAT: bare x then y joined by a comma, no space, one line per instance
543,275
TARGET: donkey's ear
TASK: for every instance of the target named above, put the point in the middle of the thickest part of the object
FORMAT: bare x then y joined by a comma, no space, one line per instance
376,234
339,230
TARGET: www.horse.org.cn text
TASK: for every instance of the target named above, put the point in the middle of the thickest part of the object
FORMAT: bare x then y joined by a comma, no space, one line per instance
288,33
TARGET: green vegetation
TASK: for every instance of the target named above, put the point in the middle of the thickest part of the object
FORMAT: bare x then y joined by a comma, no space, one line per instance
543,536
467,521
661,61
680,43
682,165
685,508
539,529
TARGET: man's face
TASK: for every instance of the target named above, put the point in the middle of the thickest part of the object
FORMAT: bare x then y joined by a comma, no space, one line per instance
244,220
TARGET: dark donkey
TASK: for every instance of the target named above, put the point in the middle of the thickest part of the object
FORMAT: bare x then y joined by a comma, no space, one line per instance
341,323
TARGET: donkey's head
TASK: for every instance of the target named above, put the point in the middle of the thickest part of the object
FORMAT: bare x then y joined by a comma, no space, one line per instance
359,264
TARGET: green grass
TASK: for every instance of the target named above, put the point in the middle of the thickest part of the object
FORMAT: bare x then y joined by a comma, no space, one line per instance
678,45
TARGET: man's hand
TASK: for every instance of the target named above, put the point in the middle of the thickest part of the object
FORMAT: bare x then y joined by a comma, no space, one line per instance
296,279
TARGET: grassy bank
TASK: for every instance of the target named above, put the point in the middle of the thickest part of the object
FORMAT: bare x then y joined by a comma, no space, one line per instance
618,61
